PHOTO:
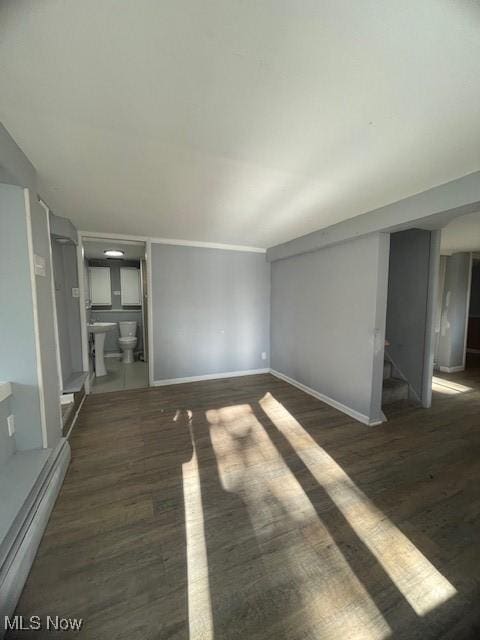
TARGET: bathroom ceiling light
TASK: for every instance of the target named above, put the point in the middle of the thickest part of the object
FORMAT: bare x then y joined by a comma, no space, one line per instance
114,253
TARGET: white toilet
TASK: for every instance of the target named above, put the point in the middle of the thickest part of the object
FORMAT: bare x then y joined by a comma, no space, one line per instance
127,340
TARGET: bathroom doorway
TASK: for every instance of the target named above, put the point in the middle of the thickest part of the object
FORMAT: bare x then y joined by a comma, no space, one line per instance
115,294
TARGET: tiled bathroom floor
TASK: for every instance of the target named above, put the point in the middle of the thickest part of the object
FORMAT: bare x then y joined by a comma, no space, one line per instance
121,376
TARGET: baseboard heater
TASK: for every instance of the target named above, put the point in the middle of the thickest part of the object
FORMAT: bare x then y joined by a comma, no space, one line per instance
19,547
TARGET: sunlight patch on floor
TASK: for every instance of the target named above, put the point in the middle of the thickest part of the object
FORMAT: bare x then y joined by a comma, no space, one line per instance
199,600
414,576
447,387
295,544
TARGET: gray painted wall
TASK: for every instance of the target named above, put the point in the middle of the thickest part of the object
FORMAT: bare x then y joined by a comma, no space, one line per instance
328,321
5,176
73,305
46,326
7,443
61,304
68,307
17,350
408,284
211,311
442,267
62,228
15,168
451,345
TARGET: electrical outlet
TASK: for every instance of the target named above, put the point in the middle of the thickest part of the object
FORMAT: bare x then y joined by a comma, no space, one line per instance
264,355
11,425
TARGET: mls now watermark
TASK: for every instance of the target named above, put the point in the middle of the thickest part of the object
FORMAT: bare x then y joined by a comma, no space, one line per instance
34,623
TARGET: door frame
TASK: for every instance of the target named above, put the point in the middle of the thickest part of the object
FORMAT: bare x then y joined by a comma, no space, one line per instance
95,235
430,312
467,310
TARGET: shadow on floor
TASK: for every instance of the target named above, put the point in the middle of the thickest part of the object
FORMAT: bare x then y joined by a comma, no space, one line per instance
186,513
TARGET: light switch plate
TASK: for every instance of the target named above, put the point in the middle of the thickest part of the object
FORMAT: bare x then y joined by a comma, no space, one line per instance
11,425
75,292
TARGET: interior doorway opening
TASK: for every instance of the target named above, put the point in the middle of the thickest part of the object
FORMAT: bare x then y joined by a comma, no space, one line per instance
413,266
472,355
457,327
116,333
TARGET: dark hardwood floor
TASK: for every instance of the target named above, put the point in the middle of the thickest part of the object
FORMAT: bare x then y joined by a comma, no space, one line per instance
244,509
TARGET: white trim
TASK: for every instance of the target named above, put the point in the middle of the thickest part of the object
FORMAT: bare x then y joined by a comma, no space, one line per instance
330,401
5,390
454,369
66,398
33,284
75,416
54,301
93,310
209,376
469,287
430,312
112,354
111,236
149,296
101,240
144,292
83,313
92,235
174,241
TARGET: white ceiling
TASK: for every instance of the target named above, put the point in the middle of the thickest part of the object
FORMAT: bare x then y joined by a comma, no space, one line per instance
462,234
96,248
239,121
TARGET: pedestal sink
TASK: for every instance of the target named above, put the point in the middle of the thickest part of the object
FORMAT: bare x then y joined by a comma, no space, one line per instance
99,330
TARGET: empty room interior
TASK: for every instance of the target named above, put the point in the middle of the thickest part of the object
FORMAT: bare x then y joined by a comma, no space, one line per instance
240,320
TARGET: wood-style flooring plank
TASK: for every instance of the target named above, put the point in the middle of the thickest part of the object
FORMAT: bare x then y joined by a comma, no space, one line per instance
244,508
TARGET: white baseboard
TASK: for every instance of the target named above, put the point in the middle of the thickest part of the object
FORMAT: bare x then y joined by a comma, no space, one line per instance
250,372
116,354
455,369
76,416
66,398
27,536
330,401
209,376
